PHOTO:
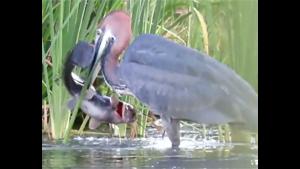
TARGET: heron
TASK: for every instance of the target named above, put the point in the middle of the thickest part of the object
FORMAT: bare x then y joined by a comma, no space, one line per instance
174,81
99,107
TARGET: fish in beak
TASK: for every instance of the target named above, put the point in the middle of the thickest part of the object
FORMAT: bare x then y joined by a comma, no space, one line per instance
99,107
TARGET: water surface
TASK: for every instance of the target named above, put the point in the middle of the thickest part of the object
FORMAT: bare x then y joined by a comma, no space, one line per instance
152,152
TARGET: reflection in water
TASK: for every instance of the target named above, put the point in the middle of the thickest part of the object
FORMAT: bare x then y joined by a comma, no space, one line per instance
153,152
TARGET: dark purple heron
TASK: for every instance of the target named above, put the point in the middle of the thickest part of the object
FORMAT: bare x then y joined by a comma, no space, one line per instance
175,82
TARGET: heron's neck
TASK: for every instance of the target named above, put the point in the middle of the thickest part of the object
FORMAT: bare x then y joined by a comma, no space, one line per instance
110,66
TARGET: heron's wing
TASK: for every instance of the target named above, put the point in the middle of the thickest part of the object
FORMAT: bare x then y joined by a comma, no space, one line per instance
177,95
160,53
182,82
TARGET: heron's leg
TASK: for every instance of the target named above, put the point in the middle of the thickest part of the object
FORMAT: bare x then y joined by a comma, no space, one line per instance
172,128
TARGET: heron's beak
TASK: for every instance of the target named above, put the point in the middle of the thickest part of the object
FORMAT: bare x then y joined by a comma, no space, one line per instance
103,42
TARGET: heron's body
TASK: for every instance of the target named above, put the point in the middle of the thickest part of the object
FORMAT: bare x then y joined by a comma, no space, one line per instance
176,82
181,83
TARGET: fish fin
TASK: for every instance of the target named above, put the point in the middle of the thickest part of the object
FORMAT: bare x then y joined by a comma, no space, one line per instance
72,103
94,123
90,93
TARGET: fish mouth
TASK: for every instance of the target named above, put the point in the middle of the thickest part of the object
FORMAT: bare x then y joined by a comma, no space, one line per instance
126,112
120,110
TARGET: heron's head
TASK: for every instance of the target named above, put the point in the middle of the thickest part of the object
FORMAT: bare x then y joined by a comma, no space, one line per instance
114,30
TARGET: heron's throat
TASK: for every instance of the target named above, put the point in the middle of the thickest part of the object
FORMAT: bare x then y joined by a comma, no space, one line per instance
110,66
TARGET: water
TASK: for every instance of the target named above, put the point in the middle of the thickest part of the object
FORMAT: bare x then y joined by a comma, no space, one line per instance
152,152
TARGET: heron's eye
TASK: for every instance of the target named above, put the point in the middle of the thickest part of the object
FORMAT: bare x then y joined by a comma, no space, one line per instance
113,38
98,32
